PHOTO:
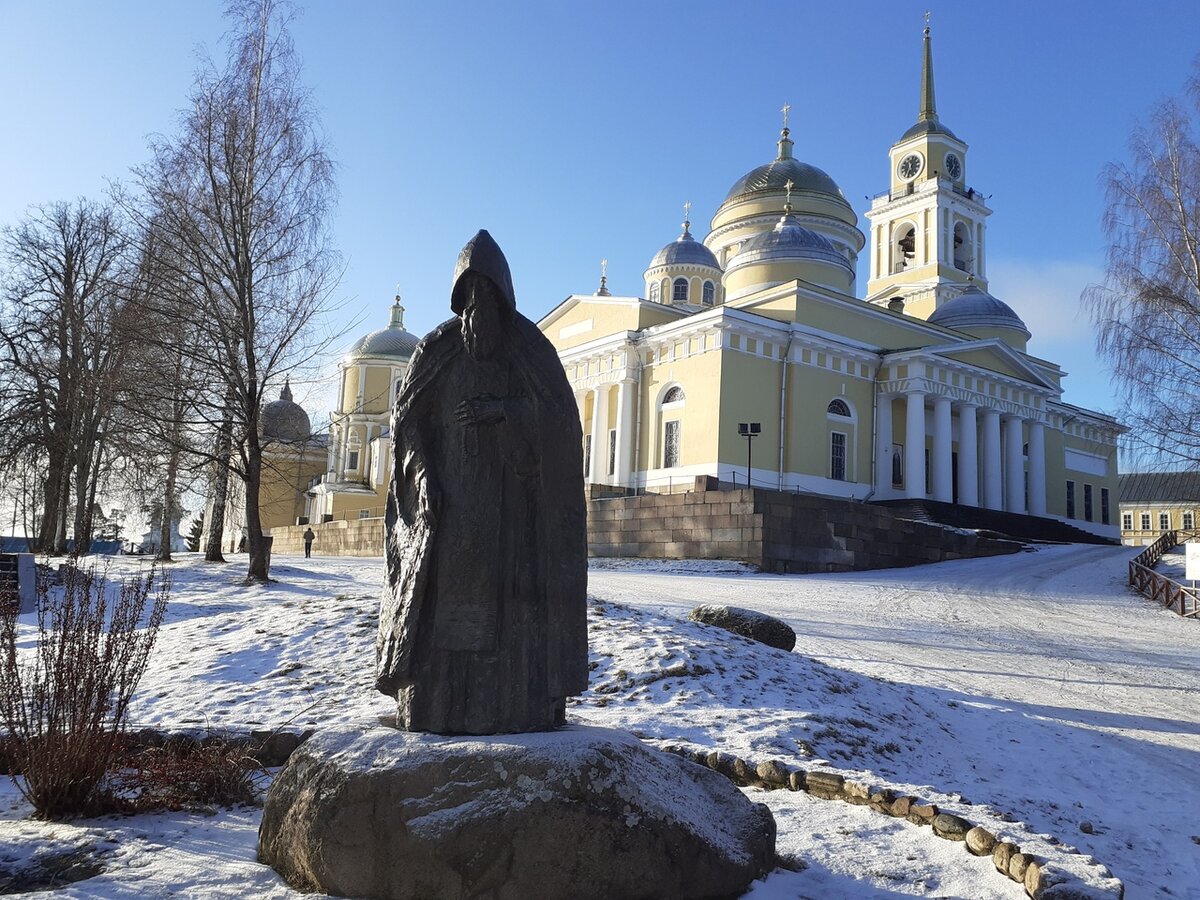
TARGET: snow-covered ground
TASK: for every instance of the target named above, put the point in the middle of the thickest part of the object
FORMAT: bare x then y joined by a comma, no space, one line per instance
1028,693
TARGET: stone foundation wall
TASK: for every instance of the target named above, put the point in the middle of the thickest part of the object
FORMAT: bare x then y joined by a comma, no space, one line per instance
779,532
343,537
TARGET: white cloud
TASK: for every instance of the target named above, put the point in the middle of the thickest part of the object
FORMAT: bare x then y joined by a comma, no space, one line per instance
1046,296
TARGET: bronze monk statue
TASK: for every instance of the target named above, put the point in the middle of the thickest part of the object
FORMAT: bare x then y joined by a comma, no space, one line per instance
482,627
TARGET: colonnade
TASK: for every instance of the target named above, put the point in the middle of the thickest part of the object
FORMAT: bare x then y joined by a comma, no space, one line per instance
598,468
989,441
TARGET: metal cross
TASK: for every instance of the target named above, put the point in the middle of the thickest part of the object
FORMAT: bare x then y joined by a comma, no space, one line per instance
604,268
927,15
687,210
789,191
787,107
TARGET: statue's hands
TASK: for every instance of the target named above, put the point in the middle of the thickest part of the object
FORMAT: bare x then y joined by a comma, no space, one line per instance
484,410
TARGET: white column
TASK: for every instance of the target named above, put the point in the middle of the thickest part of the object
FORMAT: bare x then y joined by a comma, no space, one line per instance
1014,466
942,457
625,436
992,495
968,456
1037,469
599,469
883,445
914,445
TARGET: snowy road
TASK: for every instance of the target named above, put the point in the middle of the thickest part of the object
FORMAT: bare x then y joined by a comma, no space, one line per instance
1074,700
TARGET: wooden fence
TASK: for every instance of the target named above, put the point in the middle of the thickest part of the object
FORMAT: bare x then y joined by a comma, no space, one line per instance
1171,594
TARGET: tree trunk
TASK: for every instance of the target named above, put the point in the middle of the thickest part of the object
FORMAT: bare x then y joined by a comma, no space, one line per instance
49,524
255,542
216,525
168,504
64,503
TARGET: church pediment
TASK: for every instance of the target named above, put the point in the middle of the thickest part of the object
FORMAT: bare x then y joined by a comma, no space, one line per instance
583,318
994,356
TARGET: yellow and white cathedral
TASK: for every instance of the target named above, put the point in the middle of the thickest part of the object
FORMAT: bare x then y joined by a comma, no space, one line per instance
923,388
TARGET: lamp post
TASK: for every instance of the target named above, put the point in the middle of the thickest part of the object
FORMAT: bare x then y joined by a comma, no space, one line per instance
749,430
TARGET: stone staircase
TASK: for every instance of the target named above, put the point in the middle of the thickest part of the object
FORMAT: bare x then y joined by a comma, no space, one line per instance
1007,524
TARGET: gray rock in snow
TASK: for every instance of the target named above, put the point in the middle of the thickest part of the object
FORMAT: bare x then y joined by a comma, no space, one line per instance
754,625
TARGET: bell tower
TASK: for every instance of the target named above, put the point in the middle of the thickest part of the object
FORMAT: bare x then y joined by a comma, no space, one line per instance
928,230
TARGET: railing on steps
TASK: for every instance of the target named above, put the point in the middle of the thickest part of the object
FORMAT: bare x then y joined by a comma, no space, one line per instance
1158,587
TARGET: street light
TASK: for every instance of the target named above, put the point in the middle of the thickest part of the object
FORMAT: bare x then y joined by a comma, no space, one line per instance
749,430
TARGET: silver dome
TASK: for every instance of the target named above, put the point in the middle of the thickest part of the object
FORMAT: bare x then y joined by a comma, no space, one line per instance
789,240
927,126
974,308
285,420
392,341
687,251
386,342
775,175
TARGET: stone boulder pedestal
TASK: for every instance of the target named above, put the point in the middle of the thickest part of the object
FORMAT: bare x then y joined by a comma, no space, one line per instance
373,812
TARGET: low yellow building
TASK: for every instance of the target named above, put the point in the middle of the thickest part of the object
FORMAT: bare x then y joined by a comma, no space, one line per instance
922,389
1152,503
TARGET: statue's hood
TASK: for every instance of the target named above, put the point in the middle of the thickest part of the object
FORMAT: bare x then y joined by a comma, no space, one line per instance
482,256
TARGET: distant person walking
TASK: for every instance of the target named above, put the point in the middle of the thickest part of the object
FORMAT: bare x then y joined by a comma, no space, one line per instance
309,537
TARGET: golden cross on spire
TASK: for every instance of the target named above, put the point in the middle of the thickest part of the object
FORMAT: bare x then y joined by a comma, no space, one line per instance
787,108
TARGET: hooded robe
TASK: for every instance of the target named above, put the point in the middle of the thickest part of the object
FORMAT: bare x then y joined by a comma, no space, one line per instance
482,627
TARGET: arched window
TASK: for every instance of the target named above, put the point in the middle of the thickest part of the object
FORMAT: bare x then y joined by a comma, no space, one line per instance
672,428
964,257
654,292
674,395
841,438
710,293
838,408
679,290
905,250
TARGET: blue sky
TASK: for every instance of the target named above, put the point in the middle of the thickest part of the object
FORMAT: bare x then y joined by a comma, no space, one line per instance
575,131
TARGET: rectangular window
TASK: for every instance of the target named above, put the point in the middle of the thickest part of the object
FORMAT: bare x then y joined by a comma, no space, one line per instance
671,444
1070,499
837,456
1087,502
1127,521
1145,521
1189,520
612,451
897,465
1164,521
352,461
928,472
587,456
364,514
1104,516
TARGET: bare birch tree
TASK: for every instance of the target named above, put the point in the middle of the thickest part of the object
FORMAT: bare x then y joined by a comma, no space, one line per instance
1148,309
62,350
243,193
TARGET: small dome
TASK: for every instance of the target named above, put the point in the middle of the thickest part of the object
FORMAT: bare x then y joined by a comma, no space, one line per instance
685,251
285,420
788,240
927,126
392,341
774,176
974,308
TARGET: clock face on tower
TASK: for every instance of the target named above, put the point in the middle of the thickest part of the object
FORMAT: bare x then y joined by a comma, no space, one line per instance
910,166
953,166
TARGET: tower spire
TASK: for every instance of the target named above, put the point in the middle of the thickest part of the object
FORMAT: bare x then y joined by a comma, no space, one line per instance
397,319
928,107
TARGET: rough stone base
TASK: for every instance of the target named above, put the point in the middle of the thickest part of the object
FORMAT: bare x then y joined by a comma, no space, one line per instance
576,813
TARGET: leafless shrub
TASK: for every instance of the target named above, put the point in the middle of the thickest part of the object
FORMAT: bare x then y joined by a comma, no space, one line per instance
179,777
64,700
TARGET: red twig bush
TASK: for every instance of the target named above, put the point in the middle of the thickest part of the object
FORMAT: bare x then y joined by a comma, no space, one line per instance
64,700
